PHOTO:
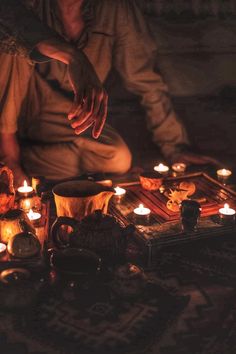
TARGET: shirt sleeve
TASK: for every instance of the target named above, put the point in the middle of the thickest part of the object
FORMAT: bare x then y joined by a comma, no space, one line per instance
20,29
15,76
134,56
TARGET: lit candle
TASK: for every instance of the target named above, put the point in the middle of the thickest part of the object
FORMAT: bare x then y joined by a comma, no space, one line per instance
33,216
163,169
227,214
142,214
119,194
25,190
179,167
3,248
223,174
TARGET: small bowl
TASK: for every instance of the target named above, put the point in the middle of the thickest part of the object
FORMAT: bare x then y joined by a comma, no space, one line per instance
151,181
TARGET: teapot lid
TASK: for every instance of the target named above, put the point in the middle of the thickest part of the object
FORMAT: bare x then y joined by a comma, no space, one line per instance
99,220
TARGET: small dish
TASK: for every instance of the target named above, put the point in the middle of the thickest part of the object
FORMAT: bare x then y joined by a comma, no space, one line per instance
151,180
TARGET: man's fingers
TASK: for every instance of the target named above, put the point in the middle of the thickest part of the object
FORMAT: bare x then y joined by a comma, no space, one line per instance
101,118
80,129
77,106
82,115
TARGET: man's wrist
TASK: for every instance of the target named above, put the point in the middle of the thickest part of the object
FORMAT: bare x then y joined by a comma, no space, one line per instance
58,50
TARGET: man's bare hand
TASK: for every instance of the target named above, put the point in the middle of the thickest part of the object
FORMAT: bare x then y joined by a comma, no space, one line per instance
90,100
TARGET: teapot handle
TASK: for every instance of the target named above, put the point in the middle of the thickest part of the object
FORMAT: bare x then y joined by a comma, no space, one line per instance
9,177
57,239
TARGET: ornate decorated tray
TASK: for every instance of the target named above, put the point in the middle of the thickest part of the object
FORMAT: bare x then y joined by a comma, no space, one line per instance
164,227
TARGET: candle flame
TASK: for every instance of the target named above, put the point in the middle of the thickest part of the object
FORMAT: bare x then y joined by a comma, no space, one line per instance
226,206
25,183
140,206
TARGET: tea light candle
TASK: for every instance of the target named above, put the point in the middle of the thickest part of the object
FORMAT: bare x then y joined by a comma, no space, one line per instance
25,190
119,194
227,214
34,216
142,213
163,169
3,248
223,174
179,167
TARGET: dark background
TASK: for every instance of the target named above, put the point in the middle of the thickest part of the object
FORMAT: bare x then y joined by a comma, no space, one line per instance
196,55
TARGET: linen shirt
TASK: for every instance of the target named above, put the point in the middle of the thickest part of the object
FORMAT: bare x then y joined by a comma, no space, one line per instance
115,35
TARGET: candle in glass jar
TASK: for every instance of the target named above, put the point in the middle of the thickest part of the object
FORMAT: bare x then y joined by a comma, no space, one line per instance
179,167
3,248
227,214
119,194
34,216
163,169
142,213
223,174
25,190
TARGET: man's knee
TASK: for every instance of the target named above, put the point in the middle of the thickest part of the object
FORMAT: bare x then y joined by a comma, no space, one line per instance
121,161
98,157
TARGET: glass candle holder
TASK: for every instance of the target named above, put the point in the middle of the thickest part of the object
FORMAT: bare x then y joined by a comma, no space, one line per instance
119,194
179,168
25,190
223,175
34,217
227,215
142,214
162,169
3,248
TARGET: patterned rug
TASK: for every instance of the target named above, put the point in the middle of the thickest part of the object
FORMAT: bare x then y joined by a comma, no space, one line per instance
89,317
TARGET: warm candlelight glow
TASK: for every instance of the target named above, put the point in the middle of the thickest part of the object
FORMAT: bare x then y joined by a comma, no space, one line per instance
223,173
227,210
141,210
33,216
25,188
2,248
179,167
161,168
119,191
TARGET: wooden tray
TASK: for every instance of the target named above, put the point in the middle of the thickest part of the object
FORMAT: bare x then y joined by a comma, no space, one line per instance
164,227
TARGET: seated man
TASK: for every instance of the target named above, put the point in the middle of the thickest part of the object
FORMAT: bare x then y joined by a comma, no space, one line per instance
55,55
